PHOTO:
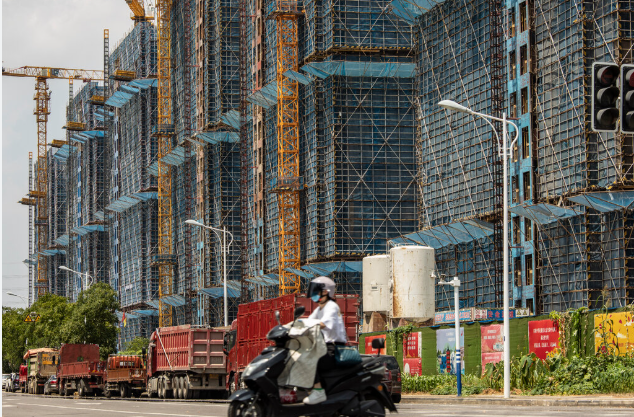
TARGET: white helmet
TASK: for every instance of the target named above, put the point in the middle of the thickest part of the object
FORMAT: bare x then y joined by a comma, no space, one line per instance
319,284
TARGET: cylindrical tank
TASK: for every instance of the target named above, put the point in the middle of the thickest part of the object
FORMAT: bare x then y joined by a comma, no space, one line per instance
413,296
376,281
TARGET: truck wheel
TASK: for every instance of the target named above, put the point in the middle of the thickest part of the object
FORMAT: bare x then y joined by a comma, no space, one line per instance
124,391
175,387
161,390
187,393
107,393
82,388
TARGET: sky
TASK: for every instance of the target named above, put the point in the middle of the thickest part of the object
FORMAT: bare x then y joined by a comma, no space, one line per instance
44,33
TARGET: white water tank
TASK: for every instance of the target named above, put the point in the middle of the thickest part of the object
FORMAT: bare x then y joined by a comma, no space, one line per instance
413,296
376,283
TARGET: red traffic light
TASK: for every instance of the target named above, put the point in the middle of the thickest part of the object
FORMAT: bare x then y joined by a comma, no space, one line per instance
607,75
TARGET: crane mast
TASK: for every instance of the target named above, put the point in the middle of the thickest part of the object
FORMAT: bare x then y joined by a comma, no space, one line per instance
288,181
165,261
42,102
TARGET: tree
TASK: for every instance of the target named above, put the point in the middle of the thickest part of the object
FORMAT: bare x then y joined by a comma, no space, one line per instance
18,336
93,319
13,338
134,346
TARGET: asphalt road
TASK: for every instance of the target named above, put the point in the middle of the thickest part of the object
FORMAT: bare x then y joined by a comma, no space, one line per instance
24,405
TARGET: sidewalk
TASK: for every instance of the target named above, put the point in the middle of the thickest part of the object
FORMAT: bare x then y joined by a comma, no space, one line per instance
525,400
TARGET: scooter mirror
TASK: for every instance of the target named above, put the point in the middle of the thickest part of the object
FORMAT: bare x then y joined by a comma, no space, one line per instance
299,311
277,317
378,344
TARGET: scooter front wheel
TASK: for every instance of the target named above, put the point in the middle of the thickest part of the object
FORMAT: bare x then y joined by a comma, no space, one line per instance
245,409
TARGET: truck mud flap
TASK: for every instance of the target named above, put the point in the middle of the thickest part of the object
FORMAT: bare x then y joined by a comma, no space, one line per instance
243,395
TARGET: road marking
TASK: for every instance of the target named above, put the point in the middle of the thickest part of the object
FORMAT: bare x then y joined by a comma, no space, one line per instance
7,405
112,411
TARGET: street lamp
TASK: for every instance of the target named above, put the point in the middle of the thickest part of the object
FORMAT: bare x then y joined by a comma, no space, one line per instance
504,152
19,296
88,283
225,247
455,283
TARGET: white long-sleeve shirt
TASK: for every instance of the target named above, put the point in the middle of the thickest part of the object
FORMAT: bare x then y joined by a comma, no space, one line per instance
334,330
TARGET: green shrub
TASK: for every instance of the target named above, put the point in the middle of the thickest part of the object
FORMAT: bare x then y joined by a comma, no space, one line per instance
441,384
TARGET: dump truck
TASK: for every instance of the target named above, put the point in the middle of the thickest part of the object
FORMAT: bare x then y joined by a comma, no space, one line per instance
80,369
247,337
125,375
41,363
186,362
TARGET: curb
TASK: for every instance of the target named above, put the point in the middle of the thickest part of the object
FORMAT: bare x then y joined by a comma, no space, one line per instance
523,401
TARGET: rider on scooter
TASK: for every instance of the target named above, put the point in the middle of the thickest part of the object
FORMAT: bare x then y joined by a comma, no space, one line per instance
322,291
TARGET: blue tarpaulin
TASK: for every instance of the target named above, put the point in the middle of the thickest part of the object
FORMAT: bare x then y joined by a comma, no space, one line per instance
606,201
544,213
410,10
360,69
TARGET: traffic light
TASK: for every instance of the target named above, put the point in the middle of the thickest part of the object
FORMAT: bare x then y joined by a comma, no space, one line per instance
605,93
626,80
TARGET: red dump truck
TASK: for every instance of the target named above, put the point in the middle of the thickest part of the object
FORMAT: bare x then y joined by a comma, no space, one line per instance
186,362
41,363
247,337
24,377
80,369
126,375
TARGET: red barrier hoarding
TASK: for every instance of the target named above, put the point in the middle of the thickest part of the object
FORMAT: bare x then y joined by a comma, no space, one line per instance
492,343
412,345
543,337
412,366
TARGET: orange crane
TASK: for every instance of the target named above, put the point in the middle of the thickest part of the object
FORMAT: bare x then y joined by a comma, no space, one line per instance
165,129
287,14
42,103
138,11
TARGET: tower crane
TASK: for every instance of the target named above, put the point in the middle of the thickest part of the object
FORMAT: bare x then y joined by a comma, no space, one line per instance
286,15
42,103
164,131
138,11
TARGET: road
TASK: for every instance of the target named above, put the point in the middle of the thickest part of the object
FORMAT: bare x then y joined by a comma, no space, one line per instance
24,405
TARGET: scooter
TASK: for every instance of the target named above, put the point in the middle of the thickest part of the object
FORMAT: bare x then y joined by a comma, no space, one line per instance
351,391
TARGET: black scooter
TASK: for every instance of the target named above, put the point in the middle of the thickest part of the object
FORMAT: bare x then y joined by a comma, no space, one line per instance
352,391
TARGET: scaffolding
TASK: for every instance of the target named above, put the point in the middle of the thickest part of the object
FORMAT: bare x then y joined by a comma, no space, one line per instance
356,164
133,198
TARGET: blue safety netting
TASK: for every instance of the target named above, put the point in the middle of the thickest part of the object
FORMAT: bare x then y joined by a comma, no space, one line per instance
544,213
125,92
52,252
266,280
233,290
153,169
175,158
145,313
64,152
215,137
606,201
62,240
327,268
360,69
265,97
450,234
123,203
300,78
410,10
232,118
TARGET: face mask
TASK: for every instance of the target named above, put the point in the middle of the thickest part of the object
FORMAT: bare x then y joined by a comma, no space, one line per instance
315,297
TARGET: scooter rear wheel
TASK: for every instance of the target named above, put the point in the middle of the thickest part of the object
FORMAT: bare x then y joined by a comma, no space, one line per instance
240,409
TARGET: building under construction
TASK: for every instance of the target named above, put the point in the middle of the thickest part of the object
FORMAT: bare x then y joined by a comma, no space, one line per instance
310,132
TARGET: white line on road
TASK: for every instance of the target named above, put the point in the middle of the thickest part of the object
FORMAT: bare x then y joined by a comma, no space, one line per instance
112,411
